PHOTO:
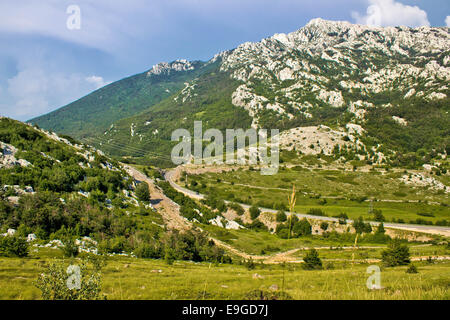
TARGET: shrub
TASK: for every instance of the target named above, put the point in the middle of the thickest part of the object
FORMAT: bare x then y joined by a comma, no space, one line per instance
378,215
61,282
361,227
249,264
11,246
324,226
302,228
281,216
283,233
254,212
312,260
412,269
70,249
396,254
257,226
237,208
192,245
380,229
316,212
142,191
280,206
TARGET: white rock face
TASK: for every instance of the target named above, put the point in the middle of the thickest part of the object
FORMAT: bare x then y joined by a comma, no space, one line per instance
8,159
354,128
420,180
410,93
320,64
229,224
316,139
400,121
436,96
333,98
168,68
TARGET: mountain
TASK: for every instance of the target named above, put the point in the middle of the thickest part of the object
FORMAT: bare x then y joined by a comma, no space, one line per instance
95,112
382,91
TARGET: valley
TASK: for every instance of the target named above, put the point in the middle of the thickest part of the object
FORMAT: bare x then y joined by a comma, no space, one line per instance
363,178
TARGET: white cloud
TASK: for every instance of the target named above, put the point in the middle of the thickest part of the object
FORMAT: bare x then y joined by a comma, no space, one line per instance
97,81
103,22
392,13
447,21
34,91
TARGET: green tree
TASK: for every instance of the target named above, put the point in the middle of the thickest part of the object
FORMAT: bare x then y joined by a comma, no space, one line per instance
237,208
254,212
396,254
312,260
378,215
362,227
281,216
380,229
11,246
324,226
142,191
302,228
70,249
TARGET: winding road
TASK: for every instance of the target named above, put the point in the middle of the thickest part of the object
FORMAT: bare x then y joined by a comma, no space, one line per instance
170,212
171,176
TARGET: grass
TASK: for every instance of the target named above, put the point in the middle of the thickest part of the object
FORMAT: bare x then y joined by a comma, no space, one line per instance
130,278
343,191
253,242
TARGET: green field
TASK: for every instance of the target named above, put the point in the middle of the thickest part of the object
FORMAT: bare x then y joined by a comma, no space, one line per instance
333,191
131,278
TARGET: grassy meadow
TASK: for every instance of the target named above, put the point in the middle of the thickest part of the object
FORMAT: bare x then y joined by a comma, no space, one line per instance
332,191
131,278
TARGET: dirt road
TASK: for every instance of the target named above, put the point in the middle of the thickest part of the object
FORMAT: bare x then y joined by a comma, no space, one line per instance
170,212
172,175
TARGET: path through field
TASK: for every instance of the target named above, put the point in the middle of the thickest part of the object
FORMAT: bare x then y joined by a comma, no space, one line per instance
172,176
170,212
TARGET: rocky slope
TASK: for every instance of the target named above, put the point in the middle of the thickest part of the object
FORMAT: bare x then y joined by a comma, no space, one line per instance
339,64
391,83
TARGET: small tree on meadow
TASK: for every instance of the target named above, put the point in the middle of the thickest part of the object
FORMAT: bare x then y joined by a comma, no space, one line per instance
396,254
312,260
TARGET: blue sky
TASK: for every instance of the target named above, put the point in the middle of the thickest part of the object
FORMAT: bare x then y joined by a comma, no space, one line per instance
44,65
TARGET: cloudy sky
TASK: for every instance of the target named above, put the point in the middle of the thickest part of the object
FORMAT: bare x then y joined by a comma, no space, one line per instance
46,61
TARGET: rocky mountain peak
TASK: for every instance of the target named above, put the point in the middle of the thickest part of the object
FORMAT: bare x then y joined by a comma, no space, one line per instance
169,67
